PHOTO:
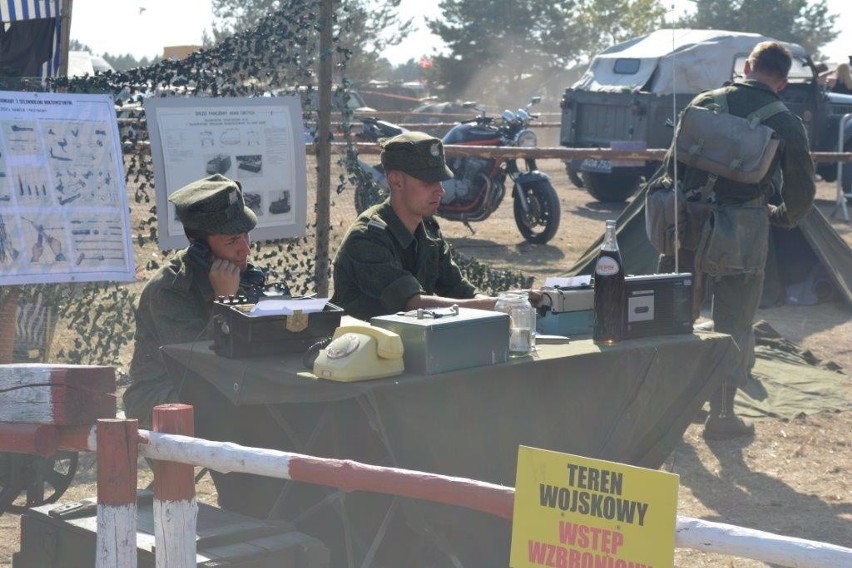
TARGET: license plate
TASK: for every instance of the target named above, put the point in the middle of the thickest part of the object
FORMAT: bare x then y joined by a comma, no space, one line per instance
593,165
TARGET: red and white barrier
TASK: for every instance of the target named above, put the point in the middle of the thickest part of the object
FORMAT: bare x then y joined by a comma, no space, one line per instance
175,507
117,506
117,452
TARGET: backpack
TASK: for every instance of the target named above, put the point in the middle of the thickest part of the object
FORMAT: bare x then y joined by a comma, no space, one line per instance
724,145
713,140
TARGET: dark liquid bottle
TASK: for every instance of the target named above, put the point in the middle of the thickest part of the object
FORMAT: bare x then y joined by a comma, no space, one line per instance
609,290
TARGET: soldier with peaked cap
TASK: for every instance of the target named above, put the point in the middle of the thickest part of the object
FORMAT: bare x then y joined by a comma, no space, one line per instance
394,257
175,304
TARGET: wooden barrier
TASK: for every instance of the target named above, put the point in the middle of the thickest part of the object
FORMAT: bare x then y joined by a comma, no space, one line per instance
114,441
543,153
175,507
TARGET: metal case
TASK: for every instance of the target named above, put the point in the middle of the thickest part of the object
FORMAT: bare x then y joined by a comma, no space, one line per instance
235,334
566,311
447,339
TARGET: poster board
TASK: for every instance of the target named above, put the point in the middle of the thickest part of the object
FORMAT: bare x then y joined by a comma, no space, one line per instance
576,511
257,142
63,202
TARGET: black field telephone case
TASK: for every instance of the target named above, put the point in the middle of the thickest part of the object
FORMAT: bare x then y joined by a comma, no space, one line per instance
236,334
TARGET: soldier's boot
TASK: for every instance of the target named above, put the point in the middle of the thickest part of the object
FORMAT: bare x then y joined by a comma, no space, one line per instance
722,423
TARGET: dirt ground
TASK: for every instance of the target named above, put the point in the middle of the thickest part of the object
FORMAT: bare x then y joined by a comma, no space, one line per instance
792,478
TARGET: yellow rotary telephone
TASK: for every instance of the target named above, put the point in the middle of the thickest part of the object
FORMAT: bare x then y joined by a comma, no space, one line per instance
359,353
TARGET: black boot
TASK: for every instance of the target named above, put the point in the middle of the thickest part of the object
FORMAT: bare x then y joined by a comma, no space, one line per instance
722,423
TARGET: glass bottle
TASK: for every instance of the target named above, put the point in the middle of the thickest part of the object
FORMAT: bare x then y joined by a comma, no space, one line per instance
521,319
609,290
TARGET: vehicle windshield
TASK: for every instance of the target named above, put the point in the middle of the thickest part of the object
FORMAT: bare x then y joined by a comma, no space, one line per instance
800,71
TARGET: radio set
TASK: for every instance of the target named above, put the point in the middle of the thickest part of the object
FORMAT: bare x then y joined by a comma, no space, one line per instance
654,304
657,304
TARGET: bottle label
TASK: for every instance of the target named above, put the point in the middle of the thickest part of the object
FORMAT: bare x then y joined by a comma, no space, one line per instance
606,266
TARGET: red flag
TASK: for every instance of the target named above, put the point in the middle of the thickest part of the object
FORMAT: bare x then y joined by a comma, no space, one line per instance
425,63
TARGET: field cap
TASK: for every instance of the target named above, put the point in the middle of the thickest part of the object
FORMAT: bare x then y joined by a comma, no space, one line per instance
213,205
417,154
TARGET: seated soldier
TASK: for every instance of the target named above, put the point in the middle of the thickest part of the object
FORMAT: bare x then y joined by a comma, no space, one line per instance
393,257
176,303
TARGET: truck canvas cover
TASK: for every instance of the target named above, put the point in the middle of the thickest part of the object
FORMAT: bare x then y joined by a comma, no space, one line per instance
679,61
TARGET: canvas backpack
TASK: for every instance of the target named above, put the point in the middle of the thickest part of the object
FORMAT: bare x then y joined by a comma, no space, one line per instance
713,140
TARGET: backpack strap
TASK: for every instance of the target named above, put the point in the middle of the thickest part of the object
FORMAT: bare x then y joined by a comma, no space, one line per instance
765,112
720,103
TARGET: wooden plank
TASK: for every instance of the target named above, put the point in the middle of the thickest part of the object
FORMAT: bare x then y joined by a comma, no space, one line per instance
65,395
90,377
43,439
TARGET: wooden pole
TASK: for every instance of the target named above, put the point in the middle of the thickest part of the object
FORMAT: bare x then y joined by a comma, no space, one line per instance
322,145
64,36
175,507
117,443
8,321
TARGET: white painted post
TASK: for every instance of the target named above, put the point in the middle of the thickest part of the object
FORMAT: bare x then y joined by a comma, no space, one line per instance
117,443
175,507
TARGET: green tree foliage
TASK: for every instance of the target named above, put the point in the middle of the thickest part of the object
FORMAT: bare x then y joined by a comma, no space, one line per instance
364,29
809,24
513,49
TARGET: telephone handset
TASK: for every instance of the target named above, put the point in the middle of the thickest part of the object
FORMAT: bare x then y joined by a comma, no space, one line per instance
200,253
360,352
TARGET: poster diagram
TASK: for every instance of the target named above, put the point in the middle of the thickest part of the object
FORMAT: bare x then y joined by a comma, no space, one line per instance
61,173
255,141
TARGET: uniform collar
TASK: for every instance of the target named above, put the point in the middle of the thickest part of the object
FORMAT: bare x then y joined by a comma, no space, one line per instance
757,85
395,225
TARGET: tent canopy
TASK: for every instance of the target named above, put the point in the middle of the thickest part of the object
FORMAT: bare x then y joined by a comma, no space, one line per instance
679,61
30,38
803,259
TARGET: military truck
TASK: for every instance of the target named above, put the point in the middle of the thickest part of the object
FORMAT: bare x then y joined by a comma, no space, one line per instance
631,94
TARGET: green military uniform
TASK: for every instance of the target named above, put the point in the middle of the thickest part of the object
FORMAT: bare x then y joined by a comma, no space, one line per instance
175,304
736,298
174,307
380,265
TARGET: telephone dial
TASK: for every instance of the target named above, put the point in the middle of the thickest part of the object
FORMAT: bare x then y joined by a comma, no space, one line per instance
359,353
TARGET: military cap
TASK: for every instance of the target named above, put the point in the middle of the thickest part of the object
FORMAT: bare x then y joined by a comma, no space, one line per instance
417,154
214,205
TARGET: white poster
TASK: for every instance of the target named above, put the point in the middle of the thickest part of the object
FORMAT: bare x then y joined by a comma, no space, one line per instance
63,204
257,142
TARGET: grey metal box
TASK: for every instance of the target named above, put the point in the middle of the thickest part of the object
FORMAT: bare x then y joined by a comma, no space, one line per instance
447,339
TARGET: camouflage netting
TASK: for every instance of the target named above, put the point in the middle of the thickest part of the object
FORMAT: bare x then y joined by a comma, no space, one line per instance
280,55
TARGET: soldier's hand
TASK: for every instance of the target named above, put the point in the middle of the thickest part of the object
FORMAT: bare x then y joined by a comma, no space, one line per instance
224,277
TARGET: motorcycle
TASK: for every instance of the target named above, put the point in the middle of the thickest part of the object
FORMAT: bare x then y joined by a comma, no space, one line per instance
479,184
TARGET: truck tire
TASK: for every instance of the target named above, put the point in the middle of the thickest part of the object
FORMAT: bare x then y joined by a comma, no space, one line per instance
574,176
611,188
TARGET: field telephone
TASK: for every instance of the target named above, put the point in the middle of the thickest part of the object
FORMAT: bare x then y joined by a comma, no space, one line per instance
359,353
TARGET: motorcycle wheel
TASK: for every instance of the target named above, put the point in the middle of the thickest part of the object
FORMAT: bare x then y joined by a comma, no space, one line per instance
540,223
611,188
31,481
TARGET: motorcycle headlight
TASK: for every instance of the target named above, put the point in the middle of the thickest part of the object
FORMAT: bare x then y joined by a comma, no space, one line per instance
526,139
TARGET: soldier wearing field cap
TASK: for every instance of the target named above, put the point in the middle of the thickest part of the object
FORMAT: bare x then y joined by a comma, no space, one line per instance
394,257
175,304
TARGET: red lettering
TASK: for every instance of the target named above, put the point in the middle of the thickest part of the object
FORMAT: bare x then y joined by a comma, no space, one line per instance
535,551
574,559
561,557
617,541
551,552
